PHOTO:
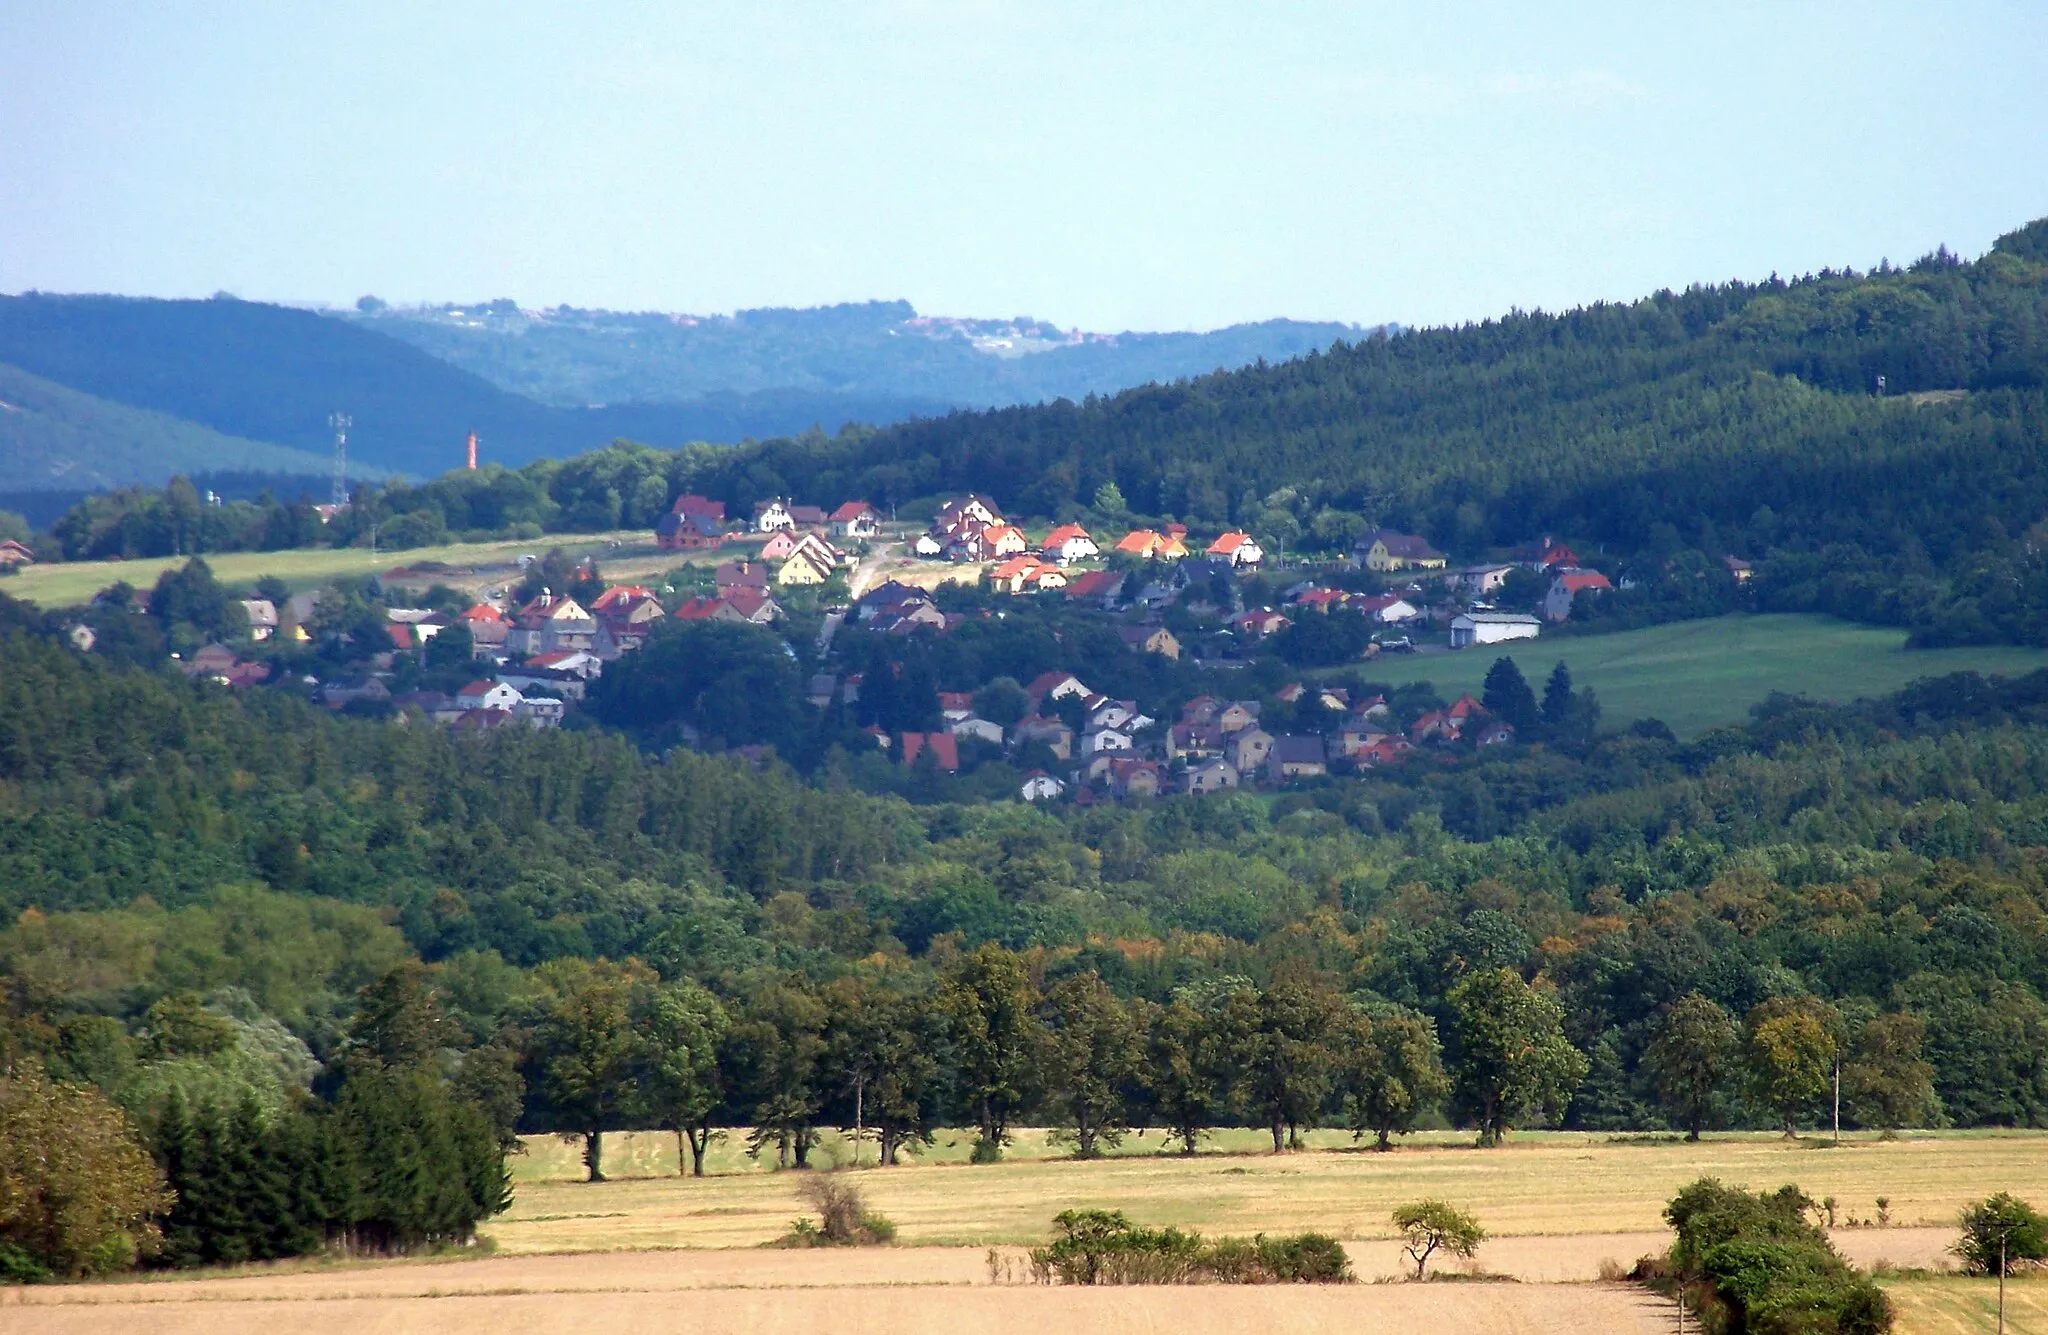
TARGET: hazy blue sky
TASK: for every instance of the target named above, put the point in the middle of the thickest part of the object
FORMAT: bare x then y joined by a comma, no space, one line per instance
1170,165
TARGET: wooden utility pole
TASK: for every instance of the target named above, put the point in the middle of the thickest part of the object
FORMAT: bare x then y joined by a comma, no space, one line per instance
1838,1097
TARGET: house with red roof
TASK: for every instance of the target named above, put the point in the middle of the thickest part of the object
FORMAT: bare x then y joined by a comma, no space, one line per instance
1545,555
1261,623
1569,585
1067,544
1238,547
855,519
943,747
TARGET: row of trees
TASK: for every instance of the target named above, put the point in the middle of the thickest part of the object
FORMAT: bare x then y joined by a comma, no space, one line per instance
989,1045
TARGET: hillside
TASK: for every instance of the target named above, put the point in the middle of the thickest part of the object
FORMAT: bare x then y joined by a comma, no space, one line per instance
273,374
872,350
53,438
1744,418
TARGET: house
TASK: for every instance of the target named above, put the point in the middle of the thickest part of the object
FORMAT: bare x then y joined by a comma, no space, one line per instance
1133,777
978,728
856,520
740,575
541,711
1005,540
1143,543
772,516
1053,733
1389,609
1247,750
1238,548
1569,584
978,510
941,746
13,553
1384,549
779,545
488,695
678,532
1041,787
483,720
1261,623
434,705
1123,715
1106,739
579,663
549,623
489,631
1209,776
708,609
1296,757
1464,709
754,606
1067,544
908,617
530,681
1150,640
1102,587
1738,569
802,568
698,507
1237,716
1316,599
1480,580
262,614
1201,709
810,518
1470,628
1016,574
1055,686
1353,738
1389,750
1194,740
1544,555
956,705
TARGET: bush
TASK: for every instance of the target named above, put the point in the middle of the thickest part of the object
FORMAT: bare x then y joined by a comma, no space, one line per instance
843,1217
2005,1219
1104,1247
1766,1269
78,1192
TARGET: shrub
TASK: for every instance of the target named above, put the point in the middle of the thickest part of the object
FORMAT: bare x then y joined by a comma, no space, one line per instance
2001,1219
1765,1268
844,1219
1105,1247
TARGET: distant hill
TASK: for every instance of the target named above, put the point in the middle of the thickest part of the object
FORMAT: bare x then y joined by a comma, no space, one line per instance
273,374
1882,436
58,439
878,349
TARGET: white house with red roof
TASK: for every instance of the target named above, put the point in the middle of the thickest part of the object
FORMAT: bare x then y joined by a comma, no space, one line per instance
1067,544
488,695
1238,547
855,519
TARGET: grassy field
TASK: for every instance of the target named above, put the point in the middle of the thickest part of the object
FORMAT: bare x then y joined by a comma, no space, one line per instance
1695,675
1953,1305
633,557
1541,1185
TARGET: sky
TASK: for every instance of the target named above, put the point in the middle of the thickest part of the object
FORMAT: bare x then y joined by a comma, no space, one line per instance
1106,166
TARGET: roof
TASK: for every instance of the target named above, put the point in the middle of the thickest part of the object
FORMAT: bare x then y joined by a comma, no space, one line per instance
749,602
619,594
749,573
1139,542
1575,580
1498,618
1015,566
698,506
476,689
1065,531
1228,543
851,510
699,609
945,748
483,612
1409,545
1297,749
1095,584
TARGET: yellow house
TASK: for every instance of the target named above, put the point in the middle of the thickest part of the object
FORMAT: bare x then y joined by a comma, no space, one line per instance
801,568
1383,549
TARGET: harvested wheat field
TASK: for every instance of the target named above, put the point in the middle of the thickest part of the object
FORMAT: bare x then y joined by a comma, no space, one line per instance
1952,1305
890,1291
1543,1185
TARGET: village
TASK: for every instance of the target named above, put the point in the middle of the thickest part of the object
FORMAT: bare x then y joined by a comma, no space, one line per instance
1227,618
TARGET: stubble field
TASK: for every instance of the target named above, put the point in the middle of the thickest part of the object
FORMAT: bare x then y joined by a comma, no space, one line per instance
650,1251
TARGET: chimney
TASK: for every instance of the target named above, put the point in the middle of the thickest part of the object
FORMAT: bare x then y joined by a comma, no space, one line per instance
472,451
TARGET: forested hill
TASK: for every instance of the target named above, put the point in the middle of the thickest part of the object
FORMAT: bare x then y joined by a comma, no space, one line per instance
1741,419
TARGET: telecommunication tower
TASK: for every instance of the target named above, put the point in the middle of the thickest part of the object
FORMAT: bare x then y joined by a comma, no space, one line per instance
341,422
